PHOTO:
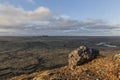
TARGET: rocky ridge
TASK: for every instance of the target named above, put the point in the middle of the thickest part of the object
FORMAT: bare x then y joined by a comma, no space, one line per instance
100,68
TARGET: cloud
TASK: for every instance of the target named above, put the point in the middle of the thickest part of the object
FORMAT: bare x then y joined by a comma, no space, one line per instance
10,15
18,21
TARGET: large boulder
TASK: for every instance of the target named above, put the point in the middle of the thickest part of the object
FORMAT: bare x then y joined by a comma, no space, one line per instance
116,58
116,61
81,55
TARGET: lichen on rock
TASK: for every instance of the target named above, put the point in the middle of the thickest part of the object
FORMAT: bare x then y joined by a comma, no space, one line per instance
81,55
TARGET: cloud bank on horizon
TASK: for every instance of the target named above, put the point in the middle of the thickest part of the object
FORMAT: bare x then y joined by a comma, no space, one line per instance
16,21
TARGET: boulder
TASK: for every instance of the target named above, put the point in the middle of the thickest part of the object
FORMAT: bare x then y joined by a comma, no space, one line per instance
116,58
116,61
81,55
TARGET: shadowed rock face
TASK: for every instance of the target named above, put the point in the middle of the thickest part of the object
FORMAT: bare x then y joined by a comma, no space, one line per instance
81,55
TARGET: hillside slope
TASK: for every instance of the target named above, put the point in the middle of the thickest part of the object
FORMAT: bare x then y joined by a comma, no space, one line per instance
107,68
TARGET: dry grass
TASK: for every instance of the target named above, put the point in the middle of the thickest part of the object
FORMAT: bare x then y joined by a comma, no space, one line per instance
98,69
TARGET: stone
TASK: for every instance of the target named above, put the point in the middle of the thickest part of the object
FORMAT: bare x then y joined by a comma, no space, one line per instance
116,58
81,55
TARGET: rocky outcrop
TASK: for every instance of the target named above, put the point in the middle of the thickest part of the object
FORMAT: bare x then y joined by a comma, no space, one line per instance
81,55
116,61
117,58
101,68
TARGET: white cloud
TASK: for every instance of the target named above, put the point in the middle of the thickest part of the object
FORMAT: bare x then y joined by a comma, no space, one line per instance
10,15
43,21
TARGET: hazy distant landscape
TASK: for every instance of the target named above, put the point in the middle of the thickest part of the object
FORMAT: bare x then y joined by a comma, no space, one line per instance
23,55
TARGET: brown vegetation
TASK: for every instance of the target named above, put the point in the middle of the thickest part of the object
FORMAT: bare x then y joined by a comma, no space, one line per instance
101,68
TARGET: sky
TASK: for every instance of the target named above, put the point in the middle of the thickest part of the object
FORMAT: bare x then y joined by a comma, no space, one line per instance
60,17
